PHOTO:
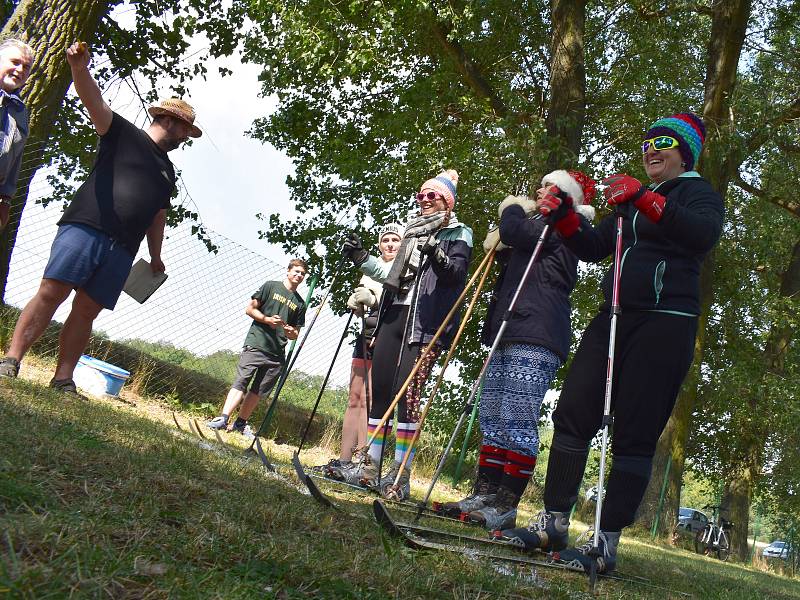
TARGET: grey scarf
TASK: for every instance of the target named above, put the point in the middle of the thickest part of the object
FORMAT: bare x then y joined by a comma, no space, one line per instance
406,263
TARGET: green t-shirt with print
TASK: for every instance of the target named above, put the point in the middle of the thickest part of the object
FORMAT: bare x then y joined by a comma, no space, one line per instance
275,299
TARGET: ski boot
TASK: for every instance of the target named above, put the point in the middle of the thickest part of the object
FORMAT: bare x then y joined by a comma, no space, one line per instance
482,495
604,557
398,492
548,532
500,513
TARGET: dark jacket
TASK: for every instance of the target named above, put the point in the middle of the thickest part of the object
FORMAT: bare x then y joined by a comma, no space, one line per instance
439,287
660,261
542,313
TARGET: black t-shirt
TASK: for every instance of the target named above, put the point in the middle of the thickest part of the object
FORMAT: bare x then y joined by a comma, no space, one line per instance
132,179
274,299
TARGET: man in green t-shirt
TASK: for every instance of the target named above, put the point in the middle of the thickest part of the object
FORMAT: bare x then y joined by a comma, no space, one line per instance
262,358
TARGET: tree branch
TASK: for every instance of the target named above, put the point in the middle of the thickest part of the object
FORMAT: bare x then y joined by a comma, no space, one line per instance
472,74
789,206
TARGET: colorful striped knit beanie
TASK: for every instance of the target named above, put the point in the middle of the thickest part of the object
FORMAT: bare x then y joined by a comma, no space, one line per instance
688,129
445,184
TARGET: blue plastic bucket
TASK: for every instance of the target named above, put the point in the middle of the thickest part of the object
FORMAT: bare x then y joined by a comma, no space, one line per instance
108,378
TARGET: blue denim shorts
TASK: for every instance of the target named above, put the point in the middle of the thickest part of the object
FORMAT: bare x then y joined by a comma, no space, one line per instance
89,260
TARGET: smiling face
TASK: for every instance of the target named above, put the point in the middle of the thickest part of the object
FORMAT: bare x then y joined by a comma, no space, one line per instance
296,274
15,66
661,165
429,206
389,245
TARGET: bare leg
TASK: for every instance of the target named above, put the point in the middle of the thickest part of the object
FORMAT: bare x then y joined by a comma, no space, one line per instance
75,333
36,316
249,405
354,423
232,401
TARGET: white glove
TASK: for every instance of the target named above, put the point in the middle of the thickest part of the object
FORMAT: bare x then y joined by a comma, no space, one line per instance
527,203
492,238
361,300
365,296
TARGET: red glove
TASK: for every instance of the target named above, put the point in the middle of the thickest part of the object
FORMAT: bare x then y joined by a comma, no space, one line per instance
624,188
559,205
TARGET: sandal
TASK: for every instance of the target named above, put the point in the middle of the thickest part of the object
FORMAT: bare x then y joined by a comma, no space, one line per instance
9,367
66,386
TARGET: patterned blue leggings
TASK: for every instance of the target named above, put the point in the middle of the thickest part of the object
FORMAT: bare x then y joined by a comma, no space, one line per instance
513,389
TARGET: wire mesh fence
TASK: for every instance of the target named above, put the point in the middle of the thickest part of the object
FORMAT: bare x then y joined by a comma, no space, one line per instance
182,344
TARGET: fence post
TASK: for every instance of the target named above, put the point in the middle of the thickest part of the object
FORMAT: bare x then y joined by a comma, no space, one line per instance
457,474
661,497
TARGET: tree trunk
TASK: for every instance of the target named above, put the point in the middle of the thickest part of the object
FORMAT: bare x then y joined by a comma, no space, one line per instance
729,24
745,475
49,26
567,111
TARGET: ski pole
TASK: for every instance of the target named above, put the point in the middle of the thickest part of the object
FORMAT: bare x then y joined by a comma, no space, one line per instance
285,376
386,417
429,346
367,369
445,364
607,418
495,344
324,384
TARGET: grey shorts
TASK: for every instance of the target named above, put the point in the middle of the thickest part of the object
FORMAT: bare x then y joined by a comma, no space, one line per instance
258,366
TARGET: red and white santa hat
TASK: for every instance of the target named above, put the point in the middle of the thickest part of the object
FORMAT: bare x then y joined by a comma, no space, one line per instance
579,186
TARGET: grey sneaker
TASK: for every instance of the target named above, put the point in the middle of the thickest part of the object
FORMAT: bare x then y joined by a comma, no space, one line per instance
482,495
604,558
9,367
548,532
351,473
500,513
402,490
217,423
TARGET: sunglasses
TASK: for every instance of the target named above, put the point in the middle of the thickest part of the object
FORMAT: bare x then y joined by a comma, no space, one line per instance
429,196
660,142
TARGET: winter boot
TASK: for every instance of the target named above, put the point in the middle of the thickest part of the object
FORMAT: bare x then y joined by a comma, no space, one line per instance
398,492
9,367
500,513
482,495
604,558
548,532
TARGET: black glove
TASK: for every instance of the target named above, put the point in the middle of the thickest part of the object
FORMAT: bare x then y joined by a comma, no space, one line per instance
431,248
354,249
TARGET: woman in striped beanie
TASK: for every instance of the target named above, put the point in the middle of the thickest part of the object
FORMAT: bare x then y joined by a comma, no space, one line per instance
670,226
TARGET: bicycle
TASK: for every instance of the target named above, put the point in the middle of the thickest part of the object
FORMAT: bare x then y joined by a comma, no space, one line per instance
714,538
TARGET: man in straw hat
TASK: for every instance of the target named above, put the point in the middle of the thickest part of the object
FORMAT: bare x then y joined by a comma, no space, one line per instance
124,199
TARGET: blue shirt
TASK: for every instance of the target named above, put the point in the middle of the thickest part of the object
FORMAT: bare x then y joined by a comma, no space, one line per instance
13,133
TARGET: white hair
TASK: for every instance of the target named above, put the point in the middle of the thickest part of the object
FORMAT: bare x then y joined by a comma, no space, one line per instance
16,43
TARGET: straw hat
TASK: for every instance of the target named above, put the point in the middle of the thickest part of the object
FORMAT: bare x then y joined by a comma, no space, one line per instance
175,107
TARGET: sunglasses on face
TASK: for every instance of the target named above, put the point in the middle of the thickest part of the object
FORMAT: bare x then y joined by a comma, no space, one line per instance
660,142
429,196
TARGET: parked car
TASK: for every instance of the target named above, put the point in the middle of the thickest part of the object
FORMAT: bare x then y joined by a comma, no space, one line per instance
776,549
691,519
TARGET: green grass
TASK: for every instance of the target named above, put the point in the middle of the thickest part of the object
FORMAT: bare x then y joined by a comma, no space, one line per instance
98,501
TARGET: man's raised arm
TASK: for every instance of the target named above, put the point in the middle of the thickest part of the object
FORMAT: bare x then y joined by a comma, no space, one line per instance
87,89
